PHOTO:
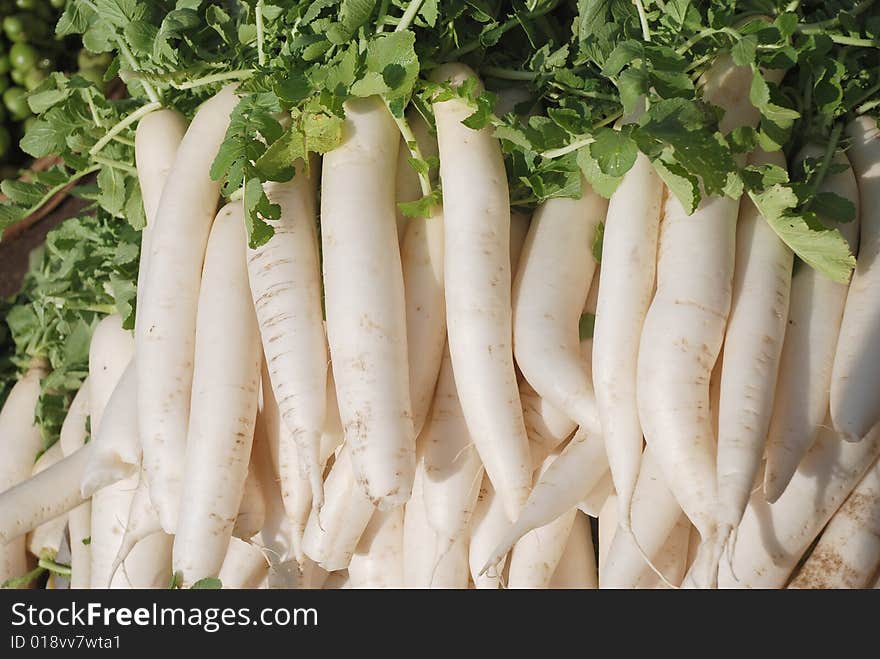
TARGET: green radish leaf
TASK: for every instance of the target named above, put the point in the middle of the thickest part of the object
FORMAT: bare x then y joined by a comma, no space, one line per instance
208,583
586,325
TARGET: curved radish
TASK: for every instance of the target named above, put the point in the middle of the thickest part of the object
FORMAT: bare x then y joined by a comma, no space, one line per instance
252,510
671,560
593,502
608,526
629,256
519,229
478,293
148,565
551,287
79,520
848,553
752,348
855,383
452,471
166,326
225,397
546,425
364,299
140,522
488,526
814,316
577,567
378,559
331,539
244,566
46,538
772,537
285,282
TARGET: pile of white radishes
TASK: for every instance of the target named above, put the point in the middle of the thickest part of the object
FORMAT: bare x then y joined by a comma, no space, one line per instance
375,401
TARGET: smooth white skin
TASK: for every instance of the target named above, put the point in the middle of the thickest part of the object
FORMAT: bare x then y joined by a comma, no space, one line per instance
110,352
378,559
47,537
848,553
672,561
814,317
552,282
142,521
79,520
478,293
166,326
49,494
422,257
567,480
629,257
655,514
452,471
156,140
295,489
608,526
488,526
752,348
285,281
364,300
148,565
331,540
855,377
245,566
547,426
593,502
773,537
116,453
519,229
252,510
225,397
577,567
110,507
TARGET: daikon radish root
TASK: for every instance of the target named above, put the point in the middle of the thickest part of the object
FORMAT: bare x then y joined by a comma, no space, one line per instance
752,349
46,539
609,522
166,325
378,559
452,471
141,521
848,553
535,556
148,564
285,281
245,566
477,277
549,291
629,256
225,398
116,453
252,510
672,559
567,480
855,378
365,306
110,507
773,537
47,496
488,526
593,502
519,229
546,425
331,540
79,520
815,312
655,514
577,567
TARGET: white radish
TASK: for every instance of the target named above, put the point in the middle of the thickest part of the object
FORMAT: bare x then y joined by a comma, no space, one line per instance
593,502
772,537
655,513
331,539
285,282
252,510
567,480
378,559
609,523
629,255
671,560
802,390
519,229
452,471
546,425
166,325
488,527
245,566
364,300
478,293
225,398
577,567
45,539
141,521
855,378
536,555
848,553
752,349
551,287
148,565
79,519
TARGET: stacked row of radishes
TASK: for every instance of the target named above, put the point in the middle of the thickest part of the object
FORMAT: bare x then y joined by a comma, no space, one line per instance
444,414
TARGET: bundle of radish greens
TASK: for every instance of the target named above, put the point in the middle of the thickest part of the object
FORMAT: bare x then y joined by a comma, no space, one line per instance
402,293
